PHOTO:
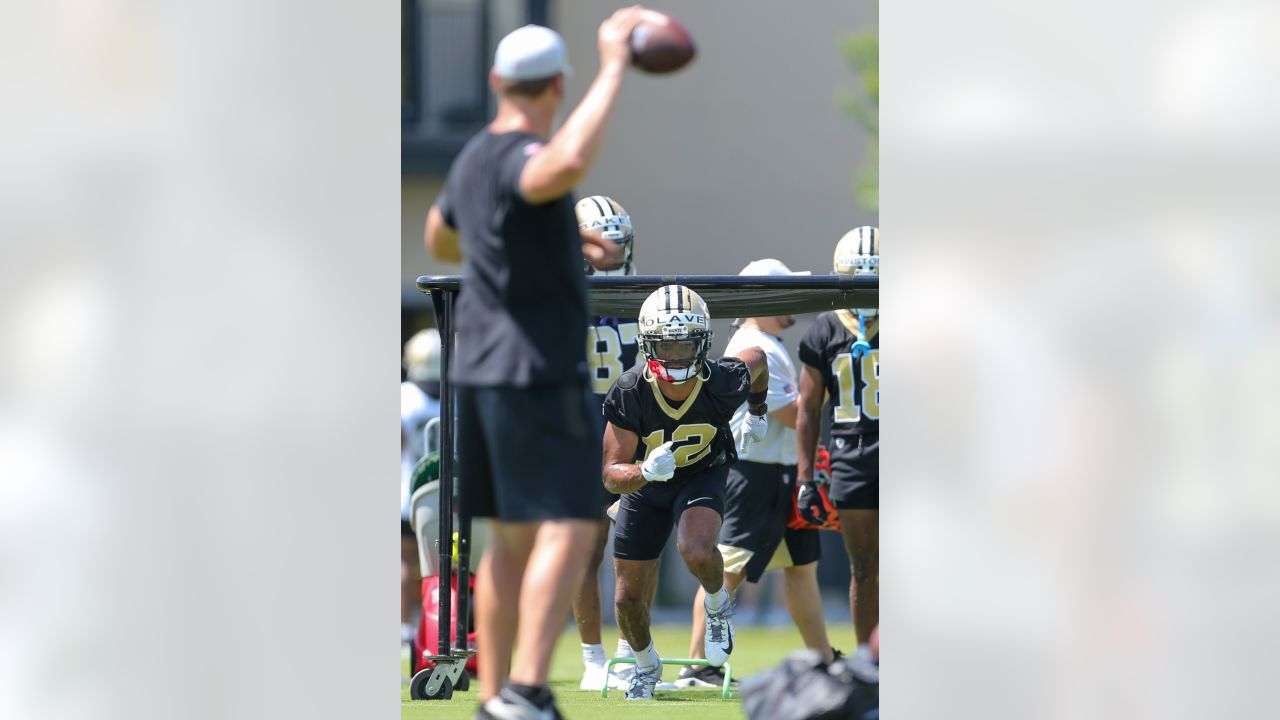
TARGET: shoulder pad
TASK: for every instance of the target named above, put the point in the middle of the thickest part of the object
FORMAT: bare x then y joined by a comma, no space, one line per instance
628,380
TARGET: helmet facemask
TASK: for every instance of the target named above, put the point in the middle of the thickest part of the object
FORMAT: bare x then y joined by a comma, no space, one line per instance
676,354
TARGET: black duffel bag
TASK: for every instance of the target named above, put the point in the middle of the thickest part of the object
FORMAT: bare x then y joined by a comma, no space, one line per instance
803,687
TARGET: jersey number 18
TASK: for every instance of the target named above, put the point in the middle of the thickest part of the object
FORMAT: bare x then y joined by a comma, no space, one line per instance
848,409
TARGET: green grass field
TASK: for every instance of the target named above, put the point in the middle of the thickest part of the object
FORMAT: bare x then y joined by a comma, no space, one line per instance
756,649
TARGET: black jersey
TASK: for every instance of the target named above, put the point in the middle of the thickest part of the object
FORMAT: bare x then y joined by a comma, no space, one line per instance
699,426
611,349
853,384
522,312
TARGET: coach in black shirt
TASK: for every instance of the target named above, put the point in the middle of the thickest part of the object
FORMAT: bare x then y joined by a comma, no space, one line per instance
529,441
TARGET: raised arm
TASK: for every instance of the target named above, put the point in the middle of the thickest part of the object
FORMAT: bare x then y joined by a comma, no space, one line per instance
566,159
807,423
758,363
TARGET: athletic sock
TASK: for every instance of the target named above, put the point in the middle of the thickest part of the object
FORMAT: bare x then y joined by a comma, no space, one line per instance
539,697
624,648
864,651
648,657
716,601
593,655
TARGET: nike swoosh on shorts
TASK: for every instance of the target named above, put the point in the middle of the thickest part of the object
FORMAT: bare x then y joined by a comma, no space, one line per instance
696,500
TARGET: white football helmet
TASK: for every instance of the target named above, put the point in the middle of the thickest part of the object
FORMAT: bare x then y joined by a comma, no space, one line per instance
675,333
422,356
858,254
604,217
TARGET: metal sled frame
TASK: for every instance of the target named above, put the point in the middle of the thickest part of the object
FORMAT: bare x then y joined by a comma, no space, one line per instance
726,296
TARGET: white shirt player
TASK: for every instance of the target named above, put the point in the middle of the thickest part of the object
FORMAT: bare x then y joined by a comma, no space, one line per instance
779,444
416,408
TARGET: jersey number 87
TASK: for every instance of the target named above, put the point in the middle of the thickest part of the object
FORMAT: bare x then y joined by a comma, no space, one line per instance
604,353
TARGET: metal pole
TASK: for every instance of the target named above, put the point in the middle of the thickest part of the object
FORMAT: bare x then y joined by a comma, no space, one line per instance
443,301
464,576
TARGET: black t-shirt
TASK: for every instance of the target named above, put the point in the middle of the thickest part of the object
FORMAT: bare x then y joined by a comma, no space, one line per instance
611,349
853,384
522,312
701,432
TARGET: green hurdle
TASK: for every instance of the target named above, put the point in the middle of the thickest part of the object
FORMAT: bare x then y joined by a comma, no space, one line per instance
725,692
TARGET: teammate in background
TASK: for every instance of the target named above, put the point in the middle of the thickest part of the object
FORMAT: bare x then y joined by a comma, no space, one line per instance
679,405
755,537
419,402
611,349
841,356
526,415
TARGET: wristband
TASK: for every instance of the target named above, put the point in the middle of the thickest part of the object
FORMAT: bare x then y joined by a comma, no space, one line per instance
757,398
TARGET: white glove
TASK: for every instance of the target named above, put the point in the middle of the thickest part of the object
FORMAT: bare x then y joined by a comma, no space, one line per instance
660,465
753,430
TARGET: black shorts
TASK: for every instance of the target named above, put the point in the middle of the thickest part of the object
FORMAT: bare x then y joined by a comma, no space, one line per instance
646,516
855,474
528,454
757,508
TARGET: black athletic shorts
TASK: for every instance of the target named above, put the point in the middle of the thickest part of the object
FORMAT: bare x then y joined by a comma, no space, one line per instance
646,516
757,508
855,475
527,454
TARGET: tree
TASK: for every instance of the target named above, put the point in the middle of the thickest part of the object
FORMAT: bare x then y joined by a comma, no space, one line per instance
862,102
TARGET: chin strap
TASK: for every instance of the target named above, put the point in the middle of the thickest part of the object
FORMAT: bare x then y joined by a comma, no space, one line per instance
860,346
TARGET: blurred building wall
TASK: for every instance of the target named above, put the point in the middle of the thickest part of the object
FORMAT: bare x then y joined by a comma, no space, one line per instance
744,154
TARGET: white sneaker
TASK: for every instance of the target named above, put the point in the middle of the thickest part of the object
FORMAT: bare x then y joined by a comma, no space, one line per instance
593,678
643,682
620,677
718,642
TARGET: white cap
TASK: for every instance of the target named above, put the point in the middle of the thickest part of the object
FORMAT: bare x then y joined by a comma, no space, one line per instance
769,266
532,52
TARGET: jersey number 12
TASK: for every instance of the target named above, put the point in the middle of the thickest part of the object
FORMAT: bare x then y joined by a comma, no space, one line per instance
690,443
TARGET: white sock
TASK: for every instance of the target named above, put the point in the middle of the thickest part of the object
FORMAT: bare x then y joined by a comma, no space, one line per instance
717,600
624,648
593,655
407,632
864,651
648,657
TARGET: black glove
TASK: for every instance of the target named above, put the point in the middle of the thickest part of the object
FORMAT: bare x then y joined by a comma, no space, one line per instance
809,503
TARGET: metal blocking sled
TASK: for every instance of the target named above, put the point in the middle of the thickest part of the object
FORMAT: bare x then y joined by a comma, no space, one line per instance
726,296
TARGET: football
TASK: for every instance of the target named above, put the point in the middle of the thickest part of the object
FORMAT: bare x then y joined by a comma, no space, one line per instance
660,44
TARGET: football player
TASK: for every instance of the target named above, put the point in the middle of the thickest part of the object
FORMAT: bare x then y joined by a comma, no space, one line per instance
841,357
667,450
611,349
419,402
755,537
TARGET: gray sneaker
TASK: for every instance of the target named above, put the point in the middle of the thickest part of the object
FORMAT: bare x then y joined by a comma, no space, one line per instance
719,639
507,705
643,681
703,676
